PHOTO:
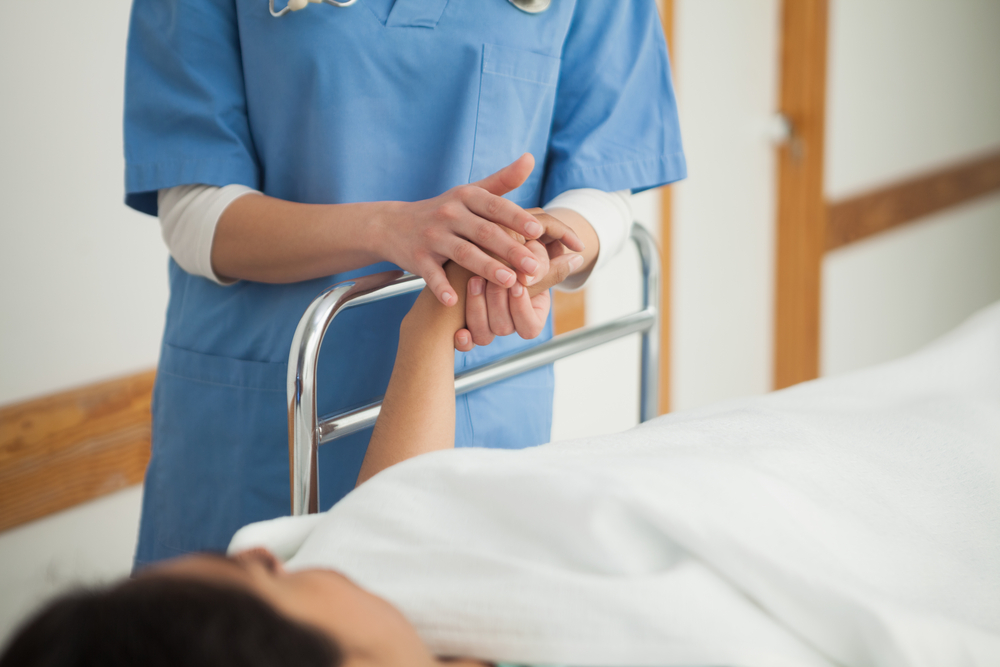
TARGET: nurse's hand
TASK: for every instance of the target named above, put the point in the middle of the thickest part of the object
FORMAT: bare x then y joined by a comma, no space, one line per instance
468,225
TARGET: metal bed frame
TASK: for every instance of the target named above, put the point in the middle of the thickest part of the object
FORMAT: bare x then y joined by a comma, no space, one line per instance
306,432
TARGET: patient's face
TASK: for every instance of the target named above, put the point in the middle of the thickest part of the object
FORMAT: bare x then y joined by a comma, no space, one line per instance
368,629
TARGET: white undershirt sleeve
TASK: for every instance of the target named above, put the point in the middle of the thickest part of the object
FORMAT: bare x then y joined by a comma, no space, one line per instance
188,217
609,213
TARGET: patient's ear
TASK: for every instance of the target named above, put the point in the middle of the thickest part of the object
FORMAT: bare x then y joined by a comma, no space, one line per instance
261,556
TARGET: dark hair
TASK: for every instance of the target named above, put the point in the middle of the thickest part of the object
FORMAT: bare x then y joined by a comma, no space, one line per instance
168,622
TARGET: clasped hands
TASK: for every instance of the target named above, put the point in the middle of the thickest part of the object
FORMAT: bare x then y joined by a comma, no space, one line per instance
516,255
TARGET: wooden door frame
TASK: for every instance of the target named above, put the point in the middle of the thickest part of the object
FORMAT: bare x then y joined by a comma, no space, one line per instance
801,209
666,235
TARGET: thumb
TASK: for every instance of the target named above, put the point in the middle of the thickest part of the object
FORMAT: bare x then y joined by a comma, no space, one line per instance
560,268
510,177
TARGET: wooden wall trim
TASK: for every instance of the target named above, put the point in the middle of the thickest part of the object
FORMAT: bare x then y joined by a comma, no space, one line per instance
67,448
800,203
666,236
859,217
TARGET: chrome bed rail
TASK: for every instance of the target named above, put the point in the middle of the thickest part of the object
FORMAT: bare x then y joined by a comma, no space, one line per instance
306,433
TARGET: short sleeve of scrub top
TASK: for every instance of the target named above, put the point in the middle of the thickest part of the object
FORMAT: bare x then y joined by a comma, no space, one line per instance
605,132
186,112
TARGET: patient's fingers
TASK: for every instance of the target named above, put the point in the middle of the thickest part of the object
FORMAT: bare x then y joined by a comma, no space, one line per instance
463,340
476,317
525,316
498,310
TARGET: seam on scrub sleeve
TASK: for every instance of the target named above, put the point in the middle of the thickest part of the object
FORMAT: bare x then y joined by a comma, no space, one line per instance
637,176
188,216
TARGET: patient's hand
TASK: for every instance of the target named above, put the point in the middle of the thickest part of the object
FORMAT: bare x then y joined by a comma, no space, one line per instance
492,311
519,309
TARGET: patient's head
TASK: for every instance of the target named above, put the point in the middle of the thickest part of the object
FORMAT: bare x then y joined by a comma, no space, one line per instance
207,611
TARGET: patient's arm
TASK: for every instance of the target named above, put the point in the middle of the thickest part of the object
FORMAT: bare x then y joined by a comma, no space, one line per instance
418,412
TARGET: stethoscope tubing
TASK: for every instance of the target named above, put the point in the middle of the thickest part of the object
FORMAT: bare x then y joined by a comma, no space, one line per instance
529,6
289,7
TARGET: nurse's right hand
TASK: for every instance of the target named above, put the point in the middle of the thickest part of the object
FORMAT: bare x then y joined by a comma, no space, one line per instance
465,225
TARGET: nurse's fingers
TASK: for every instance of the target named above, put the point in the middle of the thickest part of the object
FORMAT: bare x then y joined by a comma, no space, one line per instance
528,321
562,267
503,212
497,240
556,230
472,257
437,281
541,255
510,177
476,316
498,308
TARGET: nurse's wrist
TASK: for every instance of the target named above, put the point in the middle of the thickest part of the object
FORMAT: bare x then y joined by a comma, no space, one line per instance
379,225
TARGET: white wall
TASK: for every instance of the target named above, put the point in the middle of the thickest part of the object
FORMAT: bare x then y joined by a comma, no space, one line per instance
83,284
82,278
727,62
914,85
89,544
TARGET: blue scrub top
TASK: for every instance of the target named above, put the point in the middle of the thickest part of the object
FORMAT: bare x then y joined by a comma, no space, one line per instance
384,100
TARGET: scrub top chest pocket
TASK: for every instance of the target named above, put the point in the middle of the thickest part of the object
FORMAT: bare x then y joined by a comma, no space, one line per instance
517,98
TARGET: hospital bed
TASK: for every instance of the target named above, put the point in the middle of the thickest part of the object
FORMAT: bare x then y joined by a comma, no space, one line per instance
307,431
847,521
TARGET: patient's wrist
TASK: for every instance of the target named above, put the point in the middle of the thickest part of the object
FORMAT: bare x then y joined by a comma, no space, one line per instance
430,317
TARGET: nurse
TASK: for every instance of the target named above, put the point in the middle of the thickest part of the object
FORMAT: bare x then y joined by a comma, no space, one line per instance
285,154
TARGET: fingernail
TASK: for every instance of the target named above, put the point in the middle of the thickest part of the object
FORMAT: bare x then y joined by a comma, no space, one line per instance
463,339
517,290
449,298
476,286
532,228
576,262
533,279
504,276
529,265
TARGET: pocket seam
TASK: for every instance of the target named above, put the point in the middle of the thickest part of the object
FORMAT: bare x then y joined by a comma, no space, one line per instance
549,70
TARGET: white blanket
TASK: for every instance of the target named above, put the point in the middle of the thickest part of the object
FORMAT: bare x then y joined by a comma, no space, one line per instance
852,520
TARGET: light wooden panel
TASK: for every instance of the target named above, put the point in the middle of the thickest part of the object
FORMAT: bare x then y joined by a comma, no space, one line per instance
801,235
67,448
858,217
570,310
666,235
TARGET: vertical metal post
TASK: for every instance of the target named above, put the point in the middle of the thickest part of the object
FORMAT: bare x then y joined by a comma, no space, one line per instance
649,389
303,424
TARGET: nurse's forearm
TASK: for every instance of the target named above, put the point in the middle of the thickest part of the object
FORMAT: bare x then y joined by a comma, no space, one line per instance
270,240
418,412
